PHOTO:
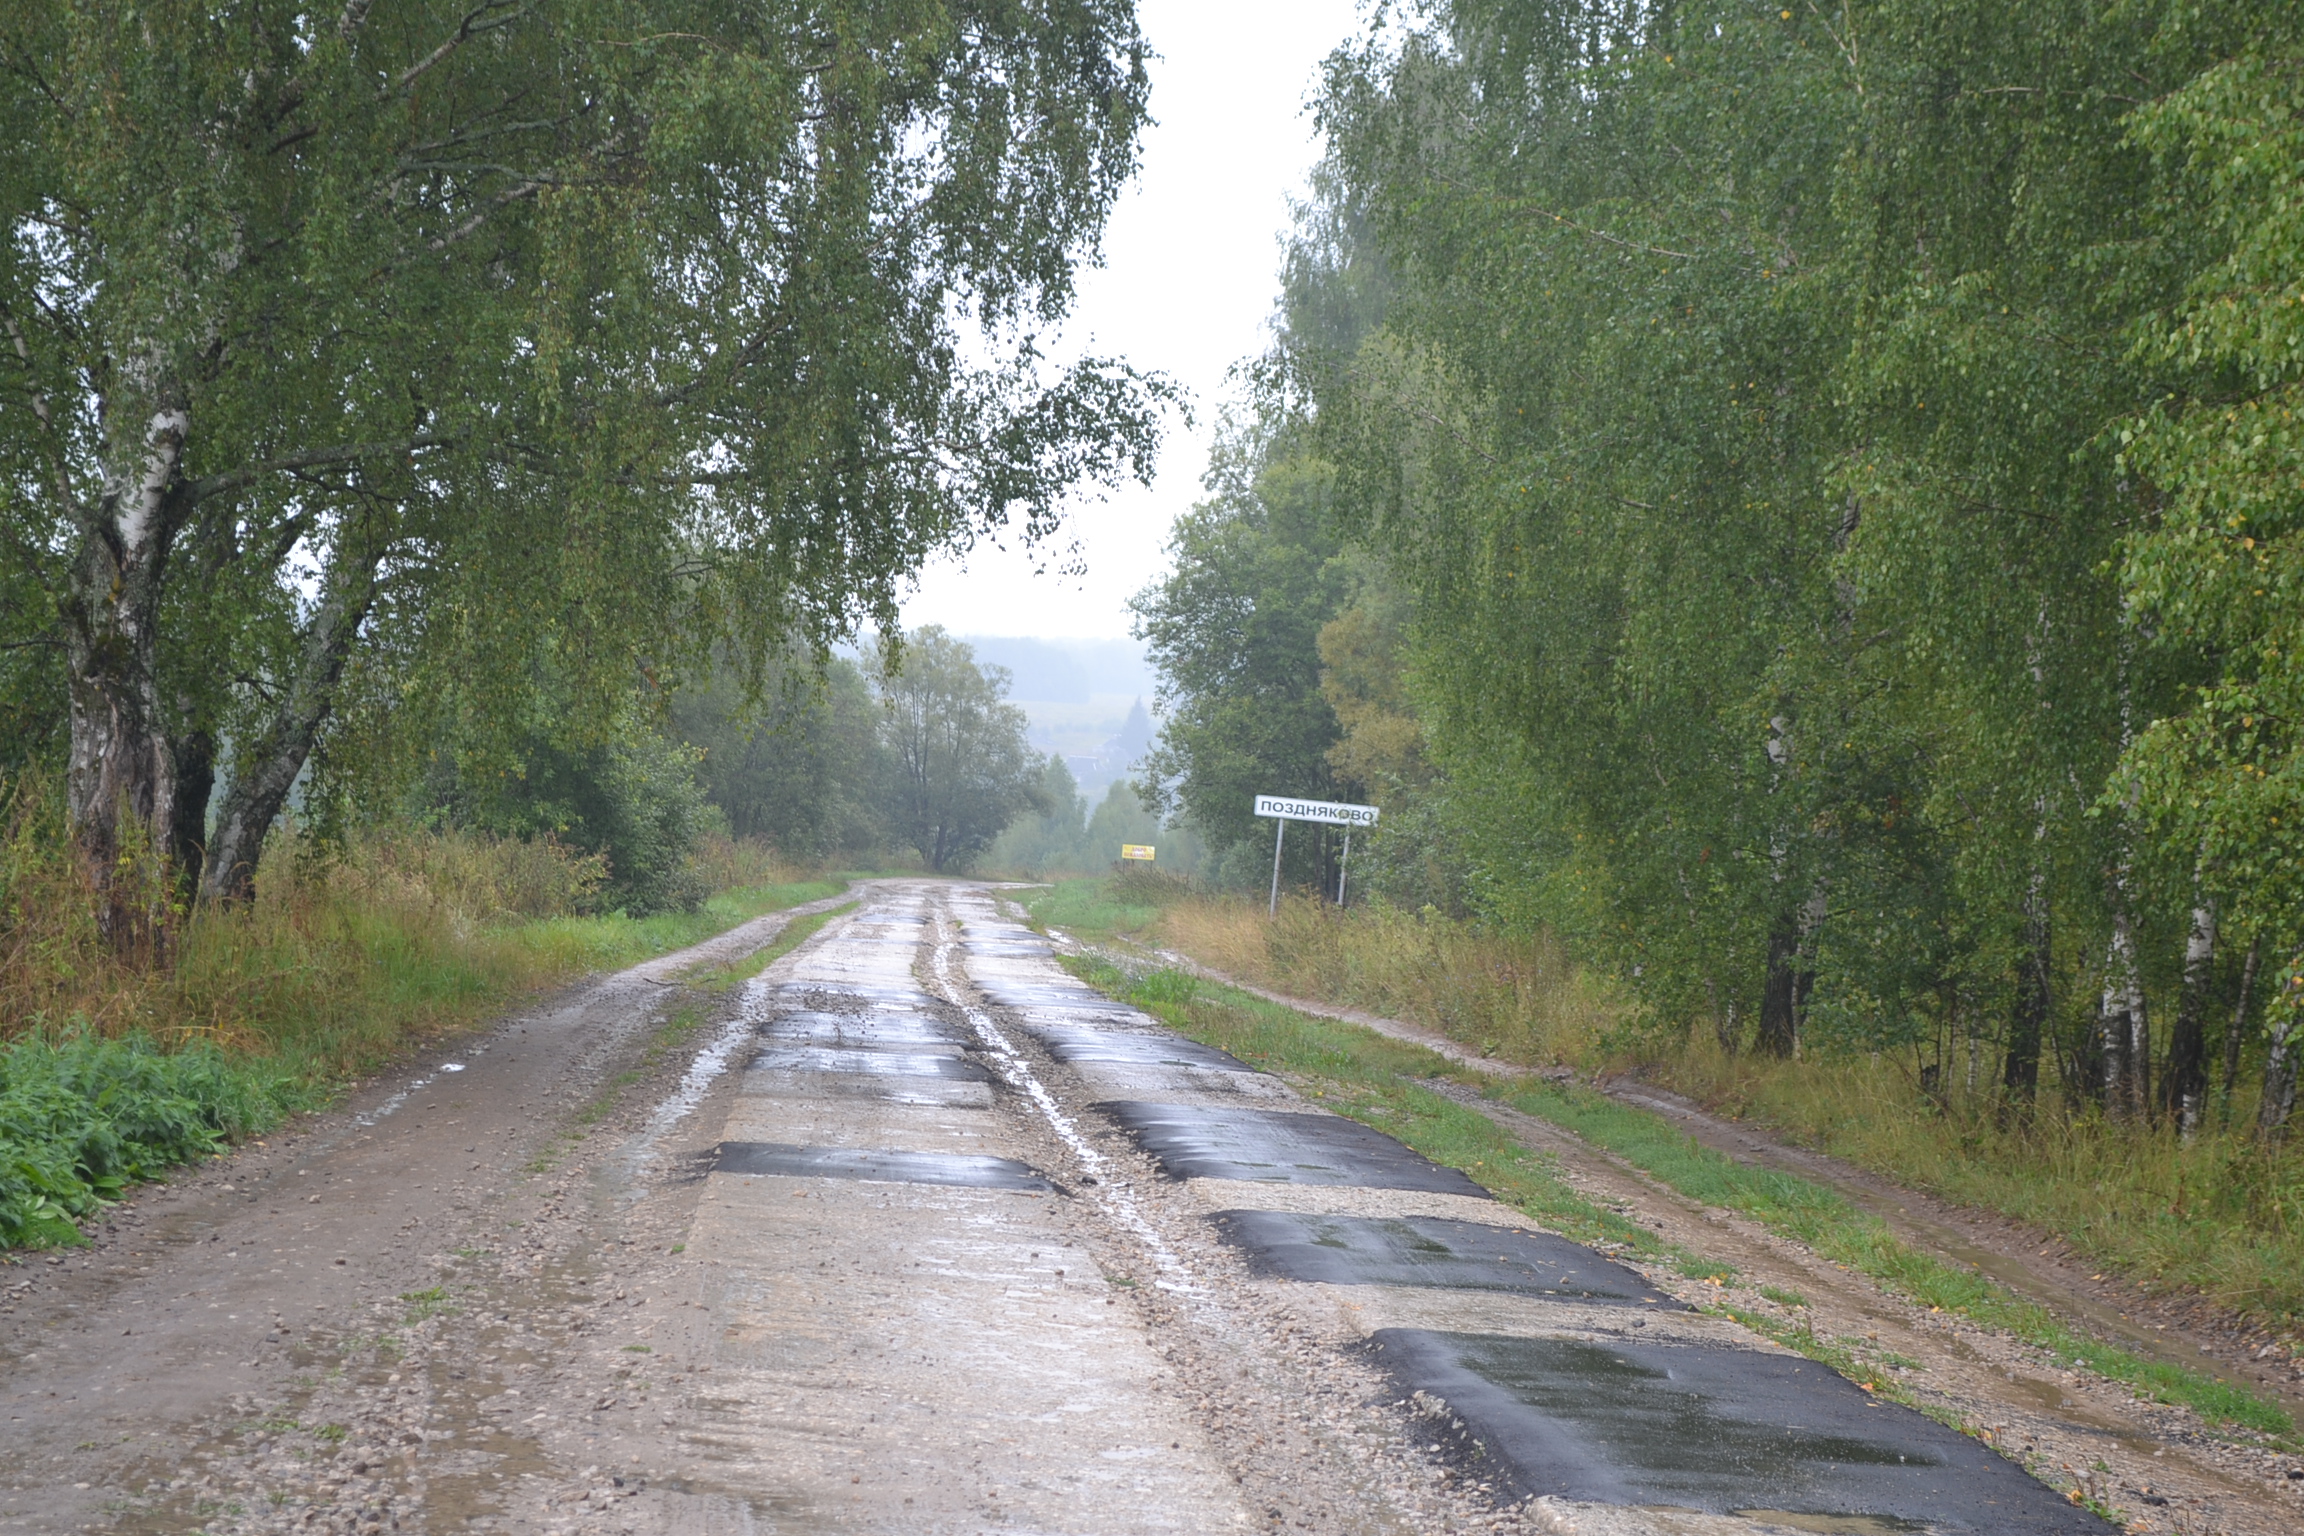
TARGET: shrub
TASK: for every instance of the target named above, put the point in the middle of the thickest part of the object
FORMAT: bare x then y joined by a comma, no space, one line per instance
82,1118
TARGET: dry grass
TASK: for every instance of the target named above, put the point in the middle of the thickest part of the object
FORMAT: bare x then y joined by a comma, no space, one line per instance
341,960
1517,998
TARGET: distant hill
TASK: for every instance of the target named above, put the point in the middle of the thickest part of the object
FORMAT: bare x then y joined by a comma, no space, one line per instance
1066,671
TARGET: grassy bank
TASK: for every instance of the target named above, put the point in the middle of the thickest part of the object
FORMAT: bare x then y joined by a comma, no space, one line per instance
2222,1218
110,1072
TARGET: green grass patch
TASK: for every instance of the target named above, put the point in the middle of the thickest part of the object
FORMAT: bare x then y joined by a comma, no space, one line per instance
425,1303
1090,906
1840,1232
613,941
84,1117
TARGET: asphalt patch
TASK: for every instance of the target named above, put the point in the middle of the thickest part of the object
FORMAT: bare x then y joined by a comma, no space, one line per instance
884,1167
1436,1251
1195,1143
1715,1429
1137,1048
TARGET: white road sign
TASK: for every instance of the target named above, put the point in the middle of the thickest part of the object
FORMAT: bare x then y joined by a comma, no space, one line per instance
1334,812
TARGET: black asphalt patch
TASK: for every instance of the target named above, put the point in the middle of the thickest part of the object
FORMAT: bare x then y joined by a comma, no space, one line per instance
1195,1143
1435,1251
878,1166
1135,1048
1716,1429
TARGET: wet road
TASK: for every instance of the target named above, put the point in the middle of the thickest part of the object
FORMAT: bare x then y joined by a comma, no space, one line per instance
925,1236
932,1086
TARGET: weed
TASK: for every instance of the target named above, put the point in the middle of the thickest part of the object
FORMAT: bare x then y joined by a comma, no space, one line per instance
425,1303
1782,1297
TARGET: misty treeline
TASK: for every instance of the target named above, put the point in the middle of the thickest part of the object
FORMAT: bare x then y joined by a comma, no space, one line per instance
407,407
1802,501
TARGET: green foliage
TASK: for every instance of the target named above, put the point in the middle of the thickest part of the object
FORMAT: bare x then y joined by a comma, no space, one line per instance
1052,838
1234,630
799,767
1734,401
2218,567
634,801
84,1117
443,346
958,770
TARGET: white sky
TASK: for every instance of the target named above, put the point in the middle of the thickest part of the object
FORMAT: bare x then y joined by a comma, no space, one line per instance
1192,260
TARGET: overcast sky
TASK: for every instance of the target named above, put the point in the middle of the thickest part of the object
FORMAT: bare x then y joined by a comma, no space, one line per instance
1192,259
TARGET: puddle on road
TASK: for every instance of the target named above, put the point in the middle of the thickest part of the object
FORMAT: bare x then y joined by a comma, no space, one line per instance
886,1167
1717,1429
1132,1048
1434,1251
1028,995
1192,1142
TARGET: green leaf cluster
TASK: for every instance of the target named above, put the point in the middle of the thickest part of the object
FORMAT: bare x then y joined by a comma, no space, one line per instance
1830,472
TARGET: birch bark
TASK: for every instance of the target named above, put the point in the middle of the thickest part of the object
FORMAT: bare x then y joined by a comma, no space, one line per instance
120,782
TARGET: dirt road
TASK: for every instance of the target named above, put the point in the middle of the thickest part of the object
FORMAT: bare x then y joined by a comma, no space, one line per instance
917,1234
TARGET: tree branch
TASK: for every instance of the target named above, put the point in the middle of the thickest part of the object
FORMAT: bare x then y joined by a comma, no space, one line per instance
470,27
231,480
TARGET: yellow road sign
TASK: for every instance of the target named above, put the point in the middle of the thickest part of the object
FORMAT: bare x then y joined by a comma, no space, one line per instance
1136,851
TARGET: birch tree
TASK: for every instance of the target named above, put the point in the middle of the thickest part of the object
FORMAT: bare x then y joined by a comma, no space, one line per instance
433,332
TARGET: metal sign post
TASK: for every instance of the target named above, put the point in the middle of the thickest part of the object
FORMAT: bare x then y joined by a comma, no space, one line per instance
1335,813
1279,835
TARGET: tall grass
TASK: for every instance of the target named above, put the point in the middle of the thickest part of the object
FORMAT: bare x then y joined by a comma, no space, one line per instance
1517,998
345,959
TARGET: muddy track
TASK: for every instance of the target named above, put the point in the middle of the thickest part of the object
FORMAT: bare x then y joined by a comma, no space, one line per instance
212,1329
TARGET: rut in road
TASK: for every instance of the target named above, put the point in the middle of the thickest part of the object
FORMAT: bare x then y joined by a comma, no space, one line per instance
930,1237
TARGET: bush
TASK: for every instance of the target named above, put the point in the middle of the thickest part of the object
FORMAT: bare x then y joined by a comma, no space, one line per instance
634,802
83,1118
